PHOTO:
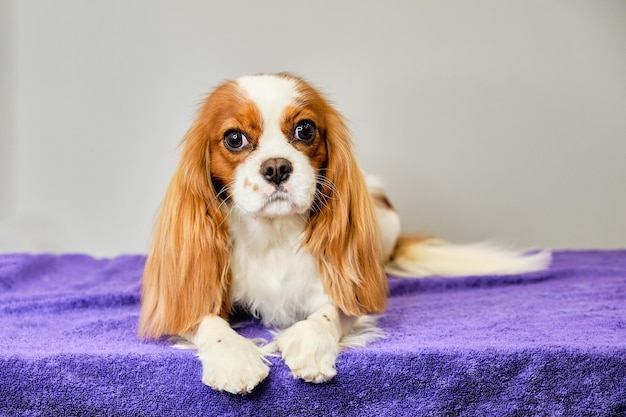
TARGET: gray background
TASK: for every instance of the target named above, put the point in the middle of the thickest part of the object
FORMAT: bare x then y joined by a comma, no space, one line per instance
493,120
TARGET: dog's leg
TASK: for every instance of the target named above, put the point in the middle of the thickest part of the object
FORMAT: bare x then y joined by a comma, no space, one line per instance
230,362
310,347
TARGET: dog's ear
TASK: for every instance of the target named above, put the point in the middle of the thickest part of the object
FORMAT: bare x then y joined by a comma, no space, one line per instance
187,273
343,233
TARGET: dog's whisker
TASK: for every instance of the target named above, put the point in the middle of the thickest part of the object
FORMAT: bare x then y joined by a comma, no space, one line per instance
315,206
218,196
224,200
325,182
227,214
322,198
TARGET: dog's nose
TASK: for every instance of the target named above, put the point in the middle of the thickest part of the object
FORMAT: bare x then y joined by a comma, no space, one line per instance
276,170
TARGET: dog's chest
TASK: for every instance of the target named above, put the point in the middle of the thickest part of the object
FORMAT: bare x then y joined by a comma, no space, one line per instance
274,277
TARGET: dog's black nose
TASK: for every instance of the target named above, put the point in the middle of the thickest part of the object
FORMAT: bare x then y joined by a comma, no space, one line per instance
276,170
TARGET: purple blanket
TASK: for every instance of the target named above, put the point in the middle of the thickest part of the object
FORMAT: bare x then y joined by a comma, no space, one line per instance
551,343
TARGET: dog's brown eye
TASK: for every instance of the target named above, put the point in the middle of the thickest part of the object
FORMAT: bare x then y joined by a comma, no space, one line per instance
235,140
305,131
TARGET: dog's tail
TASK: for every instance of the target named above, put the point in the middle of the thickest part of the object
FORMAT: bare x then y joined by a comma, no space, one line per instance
415,256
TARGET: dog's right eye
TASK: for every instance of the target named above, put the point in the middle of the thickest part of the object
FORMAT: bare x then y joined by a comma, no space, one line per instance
235,140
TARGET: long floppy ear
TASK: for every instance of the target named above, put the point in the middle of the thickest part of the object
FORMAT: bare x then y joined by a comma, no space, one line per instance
343,234
187,274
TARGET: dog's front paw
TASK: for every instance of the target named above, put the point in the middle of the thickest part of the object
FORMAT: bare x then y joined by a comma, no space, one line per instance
309,350
233,363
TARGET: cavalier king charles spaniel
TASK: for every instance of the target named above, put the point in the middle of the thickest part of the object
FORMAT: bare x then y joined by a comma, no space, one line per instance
269,212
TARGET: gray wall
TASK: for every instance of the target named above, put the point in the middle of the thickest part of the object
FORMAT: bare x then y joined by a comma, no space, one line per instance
487,119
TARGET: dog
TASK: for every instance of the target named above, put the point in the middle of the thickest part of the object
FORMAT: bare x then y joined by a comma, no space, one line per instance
269,212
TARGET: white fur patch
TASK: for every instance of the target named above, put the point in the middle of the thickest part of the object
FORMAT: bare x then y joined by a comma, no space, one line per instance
310,347
230,362
273,276
434,257
388,218
310,350
270,93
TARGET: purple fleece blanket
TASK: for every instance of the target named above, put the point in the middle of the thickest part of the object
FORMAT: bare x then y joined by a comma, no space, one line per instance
551,343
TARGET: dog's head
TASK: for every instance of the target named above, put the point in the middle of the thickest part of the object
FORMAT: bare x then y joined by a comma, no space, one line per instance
267,146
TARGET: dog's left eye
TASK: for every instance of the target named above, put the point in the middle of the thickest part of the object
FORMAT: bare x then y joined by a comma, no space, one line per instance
235,140
305,131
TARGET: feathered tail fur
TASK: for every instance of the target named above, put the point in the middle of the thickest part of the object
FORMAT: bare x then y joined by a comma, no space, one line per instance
416,256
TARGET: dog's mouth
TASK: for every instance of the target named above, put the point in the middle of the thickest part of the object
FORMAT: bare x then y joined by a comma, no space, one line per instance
279,203
278,195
